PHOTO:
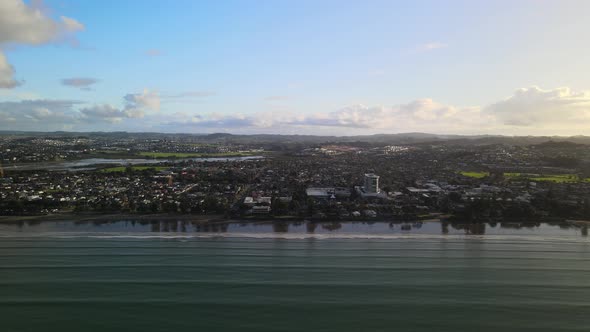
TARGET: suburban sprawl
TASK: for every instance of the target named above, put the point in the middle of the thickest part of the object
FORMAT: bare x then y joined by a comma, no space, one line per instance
410,178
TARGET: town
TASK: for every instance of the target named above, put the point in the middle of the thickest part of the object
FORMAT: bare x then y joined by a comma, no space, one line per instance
262,178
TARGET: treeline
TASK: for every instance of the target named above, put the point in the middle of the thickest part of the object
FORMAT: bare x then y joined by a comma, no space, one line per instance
541,206
207,205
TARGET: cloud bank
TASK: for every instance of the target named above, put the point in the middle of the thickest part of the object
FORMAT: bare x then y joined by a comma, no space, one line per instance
136,107
50,114
559,108
147,99
38,114
527,111
423,114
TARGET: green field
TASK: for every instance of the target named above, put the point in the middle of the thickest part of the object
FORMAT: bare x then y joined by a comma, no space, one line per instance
556,178
192,154
561,178
120,169
476,175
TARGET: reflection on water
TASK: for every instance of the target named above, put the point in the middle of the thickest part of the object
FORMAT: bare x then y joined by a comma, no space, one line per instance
188,226
280,227
332,226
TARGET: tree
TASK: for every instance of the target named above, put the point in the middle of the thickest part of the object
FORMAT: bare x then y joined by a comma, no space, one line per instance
210,204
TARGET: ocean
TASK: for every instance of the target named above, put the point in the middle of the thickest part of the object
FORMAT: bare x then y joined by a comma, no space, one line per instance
353,277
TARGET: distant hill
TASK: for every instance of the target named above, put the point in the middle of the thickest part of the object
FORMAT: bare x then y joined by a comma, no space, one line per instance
402,138
558,145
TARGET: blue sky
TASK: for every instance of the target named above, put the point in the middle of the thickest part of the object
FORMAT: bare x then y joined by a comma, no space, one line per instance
313,67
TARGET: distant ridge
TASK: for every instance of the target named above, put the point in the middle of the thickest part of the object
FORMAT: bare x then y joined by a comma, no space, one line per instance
400,138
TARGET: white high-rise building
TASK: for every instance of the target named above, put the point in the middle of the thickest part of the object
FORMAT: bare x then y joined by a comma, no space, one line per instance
372,183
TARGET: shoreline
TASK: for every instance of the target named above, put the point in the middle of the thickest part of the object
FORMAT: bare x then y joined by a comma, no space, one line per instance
221,219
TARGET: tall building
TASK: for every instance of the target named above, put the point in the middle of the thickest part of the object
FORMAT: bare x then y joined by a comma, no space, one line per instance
372,183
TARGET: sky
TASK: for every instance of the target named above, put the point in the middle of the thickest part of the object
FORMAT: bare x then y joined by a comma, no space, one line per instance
296,67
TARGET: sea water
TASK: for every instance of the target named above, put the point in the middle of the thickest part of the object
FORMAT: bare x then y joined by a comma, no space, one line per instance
118,278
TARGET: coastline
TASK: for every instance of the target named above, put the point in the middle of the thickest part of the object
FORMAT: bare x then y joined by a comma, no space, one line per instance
222,219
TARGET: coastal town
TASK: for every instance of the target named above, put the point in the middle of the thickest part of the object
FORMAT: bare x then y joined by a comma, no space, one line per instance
256,179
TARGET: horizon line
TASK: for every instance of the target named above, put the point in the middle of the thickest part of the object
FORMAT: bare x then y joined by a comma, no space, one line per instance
4,131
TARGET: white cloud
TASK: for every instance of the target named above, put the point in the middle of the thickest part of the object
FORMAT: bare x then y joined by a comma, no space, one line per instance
28,24
41,114
22,23
529,111
558,109
108,113
6,74
136,107
71,25
48,114
419,115
147,99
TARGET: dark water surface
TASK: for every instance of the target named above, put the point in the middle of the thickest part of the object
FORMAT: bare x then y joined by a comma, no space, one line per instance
90,280
85,164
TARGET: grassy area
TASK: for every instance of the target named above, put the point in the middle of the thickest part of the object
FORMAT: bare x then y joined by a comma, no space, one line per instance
559,178
120,169
556,178
192,154
476,175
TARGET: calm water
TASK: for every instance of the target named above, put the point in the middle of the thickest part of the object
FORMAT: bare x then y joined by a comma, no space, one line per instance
84,164
119,277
